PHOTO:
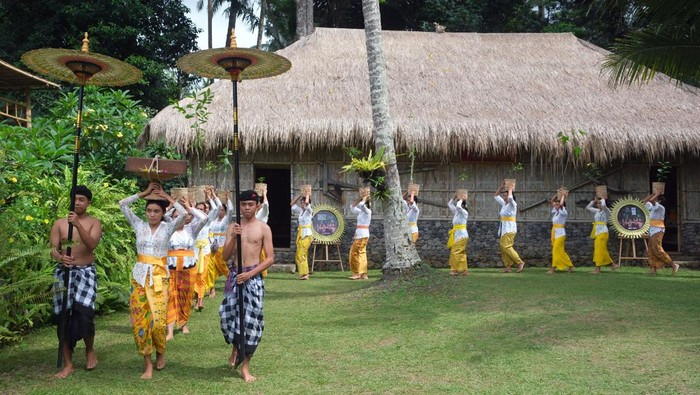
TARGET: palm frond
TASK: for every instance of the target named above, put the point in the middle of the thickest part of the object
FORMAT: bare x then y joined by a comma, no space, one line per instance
642,54
15,255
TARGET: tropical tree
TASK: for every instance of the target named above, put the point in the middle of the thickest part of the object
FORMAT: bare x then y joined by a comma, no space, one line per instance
149,34
668,44
210,17
401,254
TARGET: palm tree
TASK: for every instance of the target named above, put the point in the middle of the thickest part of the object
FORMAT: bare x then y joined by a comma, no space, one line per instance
210,17
401,254
242,8
669,44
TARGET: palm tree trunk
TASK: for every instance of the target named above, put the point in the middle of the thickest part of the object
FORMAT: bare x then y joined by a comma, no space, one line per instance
401,254
232,14
210,17
261,22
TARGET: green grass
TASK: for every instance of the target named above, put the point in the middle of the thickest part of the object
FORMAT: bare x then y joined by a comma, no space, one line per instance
494,333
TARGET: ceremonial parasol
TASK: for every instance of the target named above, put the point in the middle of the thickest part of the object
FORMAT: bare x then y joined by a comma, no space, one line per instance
236,64
83,68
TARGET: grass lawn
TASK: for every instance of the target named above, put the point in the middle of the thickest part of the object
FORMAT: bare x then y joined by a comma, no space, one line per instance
494,333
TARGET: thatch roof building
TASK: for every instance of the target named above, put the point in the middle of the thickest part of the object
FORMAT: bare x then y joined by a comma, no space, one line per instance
471,104
487,94
20,82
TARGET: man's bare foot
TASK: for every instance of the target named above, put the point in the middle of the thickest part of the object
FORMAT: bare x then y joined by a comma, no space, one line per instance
232,357
363,276
520,267
355,276
614,267
596,270
212,293
67,370
160,361
304,277
571,270
185,329
453,273
465,273
245,373
550,271
675,268
170,336
507,269
90,359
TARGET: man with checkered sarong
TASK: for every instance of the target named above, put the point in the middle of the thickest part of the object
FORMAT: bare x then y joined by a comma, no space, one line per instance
255,236
82,288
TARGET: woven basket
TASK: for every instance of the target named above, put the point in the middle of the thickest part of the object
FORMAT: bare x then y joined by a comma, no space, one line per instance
509,183
413,188
562,191
260,188
462,194
305,189
658,187
364,192
601,191
177,193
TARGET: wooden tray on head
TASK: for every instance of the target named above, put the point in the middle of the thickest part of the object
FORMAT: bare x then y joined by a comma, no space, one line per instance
156,169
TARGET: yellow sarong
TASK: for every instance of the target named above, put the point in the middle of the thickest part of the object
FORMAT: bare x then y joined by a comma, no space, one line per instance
301,256
358,256
508,253
181,289
601,255
217,268
451,237
148,307
458,255
555,226
596,223
560,259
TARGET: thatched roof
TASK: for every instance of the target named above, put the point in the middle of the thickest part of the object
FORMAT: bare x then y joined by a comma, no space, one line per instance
14,79
488,94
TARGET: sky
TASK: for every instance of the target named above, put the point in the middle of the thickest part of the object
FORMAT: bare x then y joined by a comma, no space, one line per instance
244,36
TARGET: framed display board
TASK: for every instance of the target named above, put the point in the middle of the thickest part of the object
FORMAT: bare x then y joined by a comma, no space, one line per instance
328,224
630,218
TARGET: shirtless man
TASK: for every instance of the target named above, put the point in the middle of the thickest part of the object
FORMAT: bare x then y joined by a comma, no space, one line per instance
87,232
255,236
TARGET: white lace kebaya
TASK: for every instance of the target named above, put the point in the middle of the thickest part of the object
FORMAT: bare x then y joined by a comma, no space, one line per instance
154,244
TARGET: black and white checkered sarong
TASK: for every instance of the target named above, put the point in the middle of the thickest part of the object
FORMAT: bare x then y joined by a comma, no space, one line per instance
82,288
253,292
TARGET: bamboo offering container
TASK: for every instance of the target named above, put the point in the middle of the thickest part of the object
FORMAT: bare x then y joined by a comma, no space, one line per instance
658,187
601,191
260,188
364,192
509,182
177,193
413,188
462,194
305,189
562,192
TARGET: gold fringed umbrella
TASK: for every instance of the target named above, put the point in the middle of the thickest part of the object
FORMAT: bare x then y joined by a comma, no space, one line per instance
236,64
83,68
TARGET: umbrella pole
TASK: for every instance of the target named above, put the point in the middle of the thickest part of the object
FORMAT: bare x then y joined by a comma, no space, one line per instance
66,271
240,356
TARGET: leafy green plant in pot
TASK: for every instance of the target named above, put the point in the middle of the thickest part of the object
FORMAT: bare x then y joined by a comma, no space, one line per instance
594,173
570,140
662,174
372,168
514,169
